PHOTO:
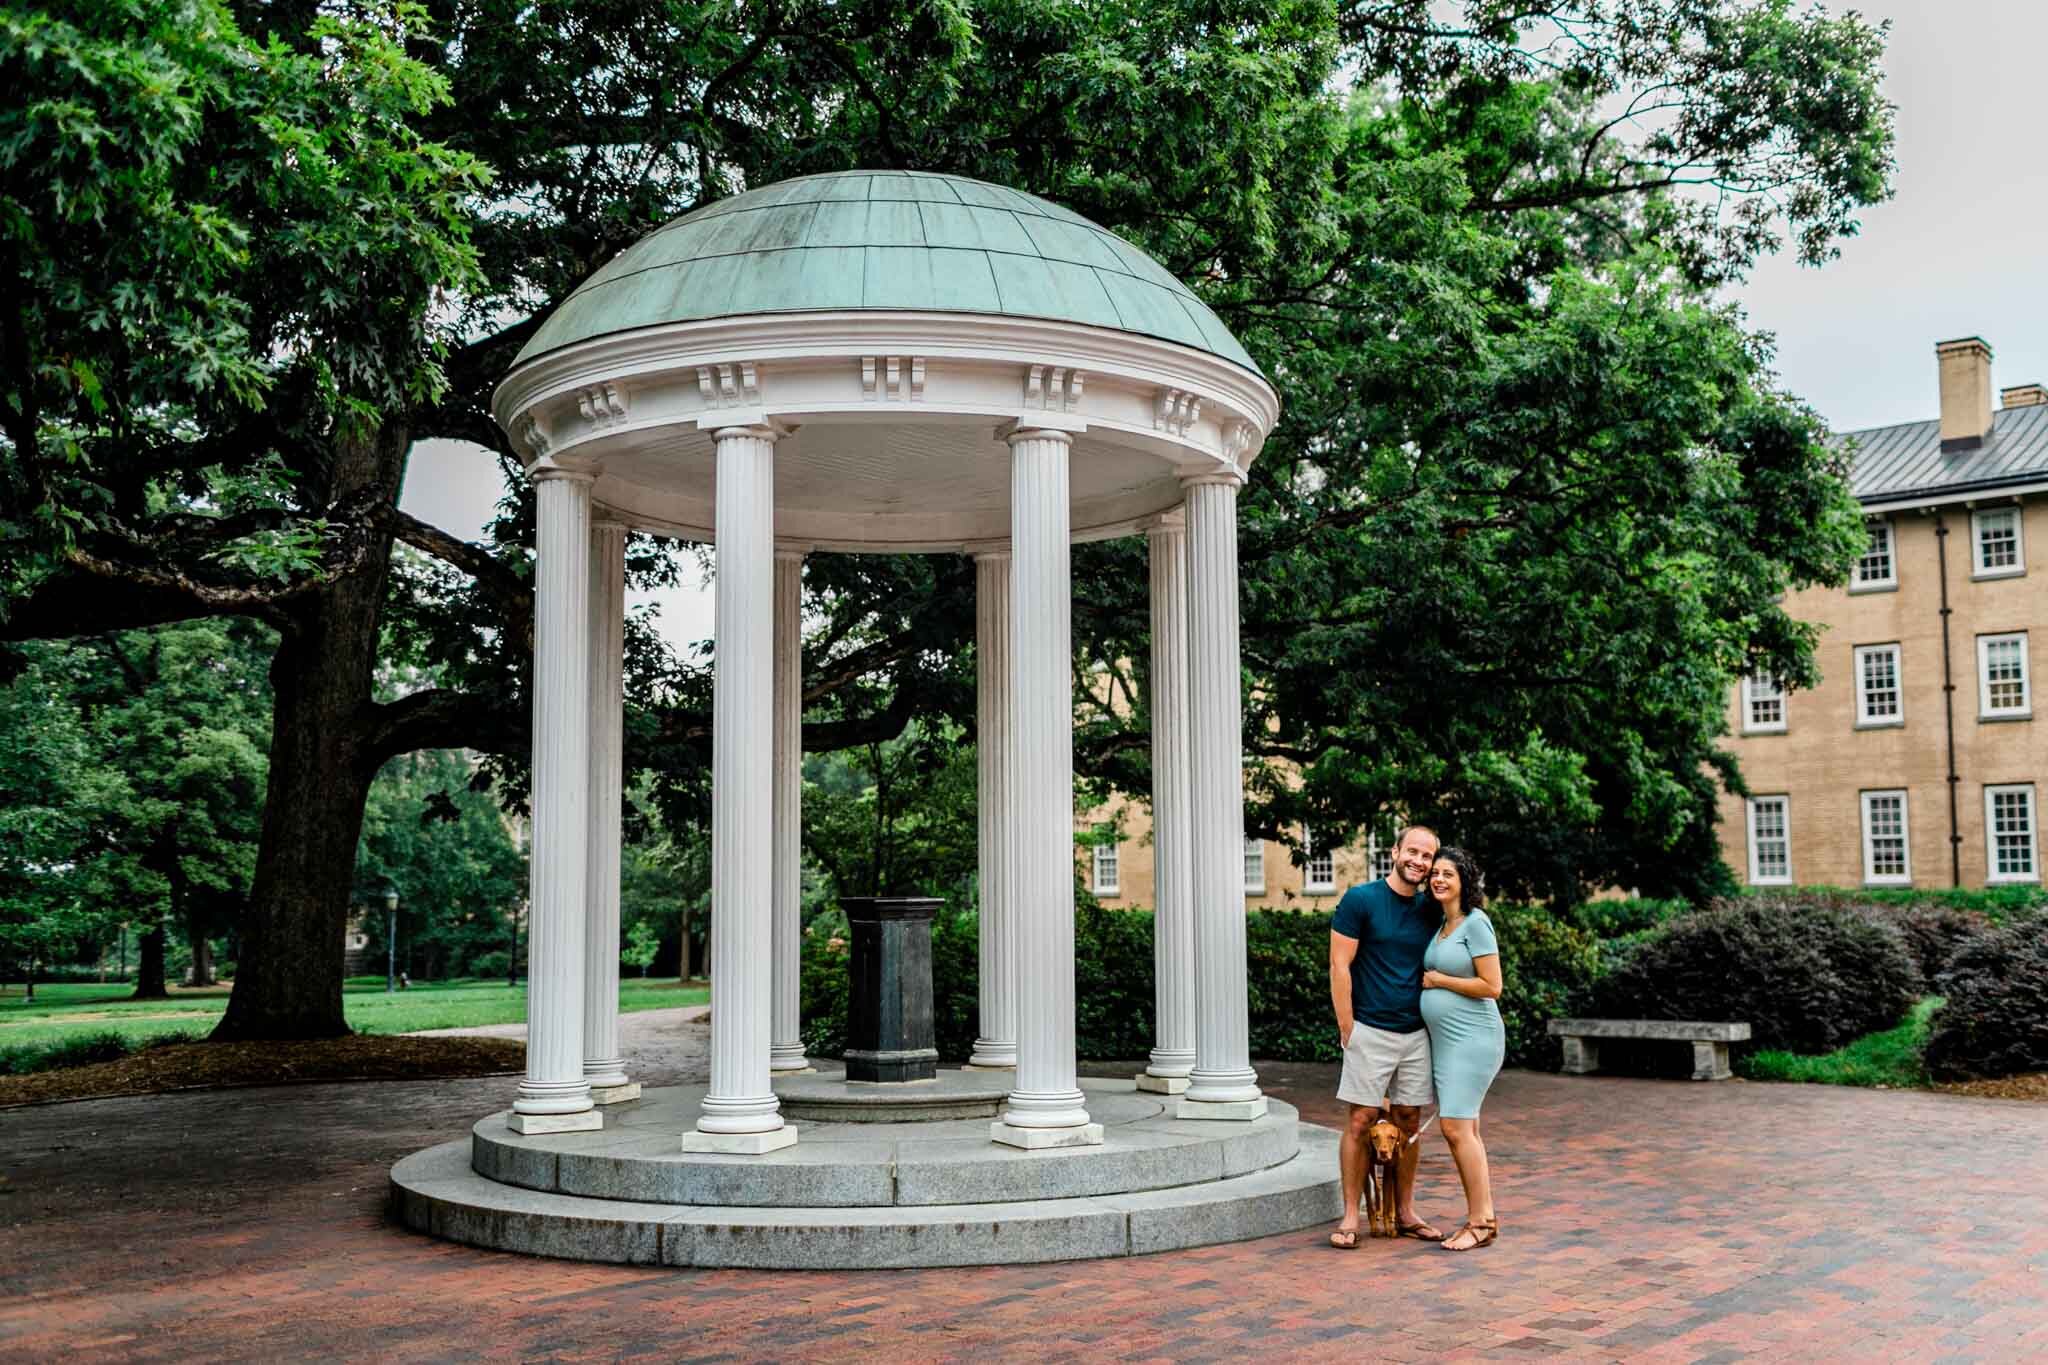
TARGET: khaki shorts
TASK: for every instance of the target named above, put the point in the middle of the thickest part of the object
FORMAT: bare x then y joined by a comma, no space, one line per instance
1381,1066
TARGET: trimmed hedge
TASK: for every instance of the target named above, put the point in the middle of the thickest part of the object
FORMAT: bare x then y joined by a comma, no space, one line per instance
1807,974
1547,968
1996,1020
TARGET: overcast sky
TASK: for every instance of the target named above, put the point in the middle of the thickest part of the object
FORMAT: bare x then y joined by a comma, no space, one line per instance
1961,250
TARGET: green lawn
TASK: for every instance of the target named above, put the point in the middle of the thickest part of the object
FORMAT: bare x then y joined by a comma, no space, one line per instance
67,1011
1890,1058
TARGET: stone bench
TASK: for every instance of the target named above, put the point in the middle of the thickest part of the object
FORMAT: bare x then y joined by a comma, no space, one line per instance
1709,1041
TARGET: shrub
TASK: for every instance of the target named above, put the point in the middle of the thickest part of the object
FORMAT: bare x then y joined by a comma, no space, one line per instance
487,966
1996,1020
1626,917
1997,903
1548,968
1804,973
1934,934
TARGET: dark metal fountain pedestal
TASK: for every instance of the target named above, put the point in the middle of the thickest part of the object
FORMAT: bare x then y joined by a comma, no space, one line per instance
889,1033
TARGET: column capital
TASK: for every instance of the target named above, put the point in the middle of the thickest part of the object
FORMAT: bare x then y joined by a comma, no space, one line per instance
1169,523
610,522
789,552
1012,433
978,550
766,429
1222,478
544,470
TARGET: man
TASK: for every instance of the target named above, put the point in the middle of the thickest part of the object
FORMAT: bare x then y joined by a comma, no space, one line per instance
1377,937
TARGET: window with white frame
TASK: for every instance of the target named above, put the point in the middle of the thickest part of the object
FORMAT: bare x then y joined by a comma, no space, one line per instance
1770,840
2002,686
1320,872
1879,565
1995,549
1763,704
1379,856
1104,860
1254,865
1878,699
1886,857
2011,849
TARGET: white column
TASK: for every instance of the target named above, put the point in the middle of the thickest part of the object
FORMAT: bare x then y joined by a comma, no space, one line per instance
996,1046
1046,1108
786,1046
1223,1084
604,1066
1173,943
555,1097
740,1112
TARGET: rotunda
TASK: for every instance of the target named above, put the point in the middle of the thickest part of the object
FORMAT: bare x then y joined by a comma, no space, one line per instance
888,362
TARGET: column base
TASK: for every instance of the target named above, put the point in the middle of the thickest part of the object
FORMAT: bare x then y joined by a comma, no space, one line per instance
1041,1139
1238,1110
988,1066
774,1072
1162,1085
615,1094
740,1144
532,1125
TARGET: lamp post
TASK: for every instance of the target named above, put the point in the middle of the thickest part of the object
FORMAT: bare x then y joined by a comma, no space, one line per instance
390,938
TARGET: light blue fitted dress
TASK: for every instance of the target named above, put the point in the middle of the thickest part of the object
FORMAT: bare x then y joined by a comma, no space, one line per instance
1466,1040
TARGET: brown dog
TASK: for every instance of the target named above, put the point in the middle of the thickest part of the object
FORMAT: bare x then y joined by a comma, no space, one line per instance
1383,1143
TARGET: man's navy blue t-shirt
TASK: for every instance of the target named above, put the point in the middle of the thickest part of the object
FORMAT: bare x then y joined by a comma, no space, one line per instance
1386,973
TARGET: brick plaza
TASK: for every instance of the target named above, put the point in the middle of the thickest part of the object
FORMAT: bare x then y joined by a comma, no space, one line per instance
1642,1220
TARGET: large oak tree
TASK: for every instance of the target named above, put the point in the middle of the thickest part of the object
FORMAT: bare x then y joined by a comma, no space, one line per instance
1533,498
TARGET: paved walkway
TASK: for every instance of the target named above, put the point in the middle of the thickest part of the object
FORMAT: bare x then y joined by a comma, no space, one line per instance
1642,1220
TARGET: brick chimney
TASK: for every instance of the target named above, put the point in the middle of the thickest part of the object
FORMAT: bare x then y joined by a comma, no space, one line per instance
2023,396
1965,392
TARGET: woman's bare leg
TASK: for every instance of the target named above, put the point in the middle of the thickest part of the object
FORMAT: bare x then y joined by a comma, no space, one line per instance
1469,1152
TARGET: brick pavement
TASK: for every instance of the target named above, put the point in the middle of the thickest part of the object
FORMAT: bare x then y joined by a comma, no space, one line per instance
1643,1220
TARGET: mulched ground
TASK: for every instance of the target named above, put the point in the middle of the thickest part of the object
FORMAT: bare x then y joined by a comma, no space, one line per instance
2030,1087
214,1066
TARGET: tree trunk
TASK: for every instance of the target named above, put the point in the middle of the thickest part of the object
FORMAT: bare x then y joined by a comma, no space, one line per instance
149,966
202,954
683,951
288,979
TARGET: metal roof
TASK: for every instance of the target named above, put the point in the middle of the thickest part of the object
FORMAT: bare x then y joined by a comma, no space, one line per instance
898,241
1906,462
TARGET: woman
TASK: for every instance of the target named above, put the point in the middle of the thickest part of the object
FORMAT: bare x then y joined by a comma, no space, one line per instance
1460,983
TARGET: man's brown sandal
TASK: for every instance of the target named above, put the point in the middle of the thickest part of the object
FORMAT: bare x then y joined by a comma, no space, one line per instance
1483,1235
1349,1233
1421,1232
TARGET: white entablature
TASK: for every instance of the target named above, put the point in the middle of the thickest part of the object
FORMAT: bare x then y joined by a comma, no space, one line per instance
894,422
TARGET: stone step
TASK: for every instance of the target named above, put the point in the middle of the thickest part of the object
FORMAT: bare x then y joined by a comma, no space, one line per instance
638,1156
436,1192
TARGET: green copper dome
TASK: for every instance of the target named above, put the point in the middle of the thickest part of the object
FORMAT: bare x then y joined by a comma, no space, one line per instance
897,241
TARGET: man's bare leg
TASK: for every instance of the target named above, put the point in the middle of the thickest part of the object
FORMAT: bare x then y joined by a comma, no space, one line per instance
1351,1153
1408,1118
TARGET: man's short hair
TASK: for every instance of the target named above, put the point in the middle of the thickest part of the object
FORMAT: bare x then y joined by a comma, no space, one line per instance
1406,830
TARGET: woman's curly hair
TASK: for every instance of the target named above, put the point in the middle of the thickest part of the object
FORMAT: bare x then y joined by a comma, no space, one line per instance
1470,878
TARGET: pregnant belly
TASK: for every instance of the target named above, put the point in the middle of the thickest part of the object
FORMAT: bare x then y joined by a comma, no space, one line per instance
1459,1015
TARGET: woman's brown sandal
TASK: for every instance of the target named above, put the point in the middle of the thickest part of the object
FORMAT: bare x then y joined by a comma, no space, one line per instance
1483,1235
1349,1245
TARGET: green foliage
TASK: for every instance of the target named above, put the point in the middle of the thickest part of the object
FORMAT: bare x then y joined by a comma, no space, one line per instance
642,942
1996,1020
1807,976
108,1045
1889,1058
1996,903
433,833
1605,919
1548,968
895,817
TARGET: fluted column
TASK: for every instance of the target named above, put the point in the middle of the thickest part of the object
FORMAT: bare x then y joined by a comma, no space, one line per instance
740,1112
555,1097
996,1044
786,1046
1173,943
1046,1108
604,1065
1223,1084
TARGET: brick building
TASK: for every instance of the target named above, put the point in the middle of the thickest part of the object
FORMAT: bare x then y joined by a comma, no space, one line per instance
1120,874
1916,761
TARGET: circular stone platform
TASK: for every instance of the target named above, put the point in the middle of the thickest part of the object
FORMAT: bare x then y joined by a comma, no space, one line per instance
865,1195
829,1097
